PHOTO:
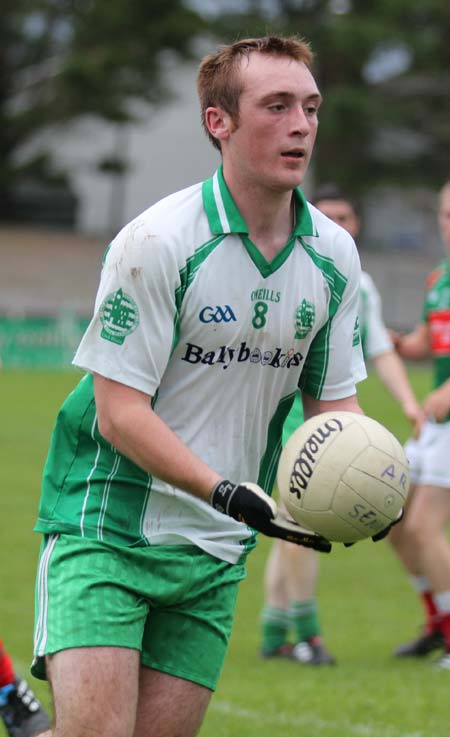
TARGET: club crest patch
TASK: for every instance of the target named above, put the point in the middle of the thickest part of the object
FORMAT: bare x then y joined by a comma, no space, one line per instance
119,316
305,317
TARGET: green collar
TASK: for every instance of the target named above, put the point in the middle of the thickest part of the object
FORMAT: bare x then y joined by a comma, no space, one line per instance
224,217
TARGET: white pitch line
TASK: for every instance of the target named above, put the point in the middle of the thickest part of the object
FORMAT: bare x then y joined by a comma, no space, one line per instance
311,721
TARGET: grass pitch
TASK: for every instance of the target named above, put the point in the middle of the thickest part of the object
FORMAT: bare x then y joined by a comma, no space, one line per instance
366,603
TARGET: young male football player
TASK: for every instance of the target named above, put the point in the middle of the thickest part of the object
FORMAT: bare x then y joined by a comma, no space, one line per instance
214,305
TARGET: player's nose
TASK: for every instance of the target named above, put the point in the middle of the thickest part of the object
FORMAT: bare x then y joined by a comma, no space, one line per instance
299,121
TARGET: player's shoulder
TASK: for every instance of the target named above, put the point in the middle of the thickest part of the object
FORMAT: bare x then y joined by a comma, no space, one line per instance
175,205
172,214
174,225
442,269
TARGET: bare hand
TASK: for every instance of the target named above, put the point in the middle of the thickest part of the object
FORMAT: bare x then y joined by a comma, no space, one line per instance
396,337
437,404
416,415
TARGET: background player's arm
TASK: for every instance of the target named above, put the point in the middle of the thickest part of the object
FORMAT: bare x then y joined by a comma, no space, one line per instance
415,345
388,365
127,421
392,373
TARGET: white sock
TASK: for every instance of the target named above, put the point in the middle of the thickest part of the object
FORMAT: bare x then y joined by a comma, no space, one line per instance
442,601
420,584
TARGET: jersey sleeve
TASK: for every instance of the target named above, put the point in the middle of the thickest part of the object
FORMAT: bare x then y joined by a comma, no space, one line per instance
376,337
131,334
335,362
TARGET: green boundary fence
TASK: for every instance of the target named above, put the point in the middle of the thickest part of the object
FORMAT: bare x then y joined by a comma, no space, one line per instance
40,342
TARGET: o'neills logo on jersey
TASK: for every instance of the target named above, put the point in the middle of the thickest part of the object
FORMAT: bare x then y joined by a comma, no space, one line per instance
304,463
226,355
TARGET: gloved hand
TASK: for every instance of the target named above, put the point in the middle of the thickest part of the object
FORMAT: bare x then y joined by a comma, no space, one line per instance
383,533
248,503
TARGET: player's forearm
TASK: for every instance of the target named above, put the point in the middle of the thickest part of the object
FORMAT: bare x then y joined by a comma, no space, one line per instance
392,373
414,346
127,421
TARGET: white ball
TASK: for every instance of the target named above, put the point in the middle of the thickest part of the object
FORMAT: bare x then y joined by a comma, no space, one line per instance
343,475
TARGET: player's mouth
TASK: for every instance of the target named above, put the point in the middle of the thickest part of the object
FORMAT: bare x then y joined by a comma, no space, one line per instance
295,154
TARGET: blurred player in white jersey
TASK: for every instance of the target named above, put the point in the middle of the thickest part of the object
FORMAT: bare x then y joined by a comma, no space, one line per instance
290,609
421,541
376,341
214,306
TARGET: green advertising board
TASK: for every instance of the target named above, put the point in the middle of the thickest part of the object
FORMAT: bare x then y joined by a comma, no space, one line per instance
40,342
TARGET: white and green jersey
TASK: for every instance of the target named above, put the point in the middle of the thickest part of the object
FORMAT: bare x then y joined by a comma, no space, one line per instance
189,312
374,335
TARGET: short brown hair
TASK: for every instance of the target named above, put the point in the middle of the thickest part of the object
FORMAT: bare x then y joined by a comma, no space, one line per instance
218,81
331,191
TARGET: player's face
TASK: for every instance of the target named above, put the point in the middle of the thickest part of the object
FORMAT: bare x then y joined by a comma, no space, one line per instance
342,213
278,118
444,219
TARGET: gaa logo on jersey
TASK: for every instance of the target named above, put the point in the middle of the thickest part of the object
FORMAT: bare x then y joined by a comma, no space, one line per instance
119,316
305,317
216,314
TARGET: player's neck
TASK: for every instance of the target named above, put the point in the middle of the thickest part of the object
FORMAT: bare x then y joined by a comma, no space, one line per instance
270,234
269,216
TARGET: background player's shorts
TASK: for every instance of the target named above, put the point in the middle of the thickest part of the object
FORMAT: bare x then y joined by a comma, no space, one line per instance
429,455
173,603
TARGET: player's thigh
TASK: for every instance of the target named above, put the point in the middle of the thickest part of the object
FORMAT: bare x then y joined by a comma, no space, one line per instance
88,595
188,638
169,706
429,510
397,535
95,691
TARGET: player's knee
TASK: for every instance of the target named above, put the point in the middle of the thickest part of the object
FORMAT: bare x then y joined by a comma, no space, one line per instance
396,537
93,716
417,532
108,726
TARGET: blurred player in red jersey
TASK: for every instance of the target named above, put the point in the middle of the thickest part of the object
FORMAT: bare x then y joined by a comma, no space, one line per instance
22,714
420,540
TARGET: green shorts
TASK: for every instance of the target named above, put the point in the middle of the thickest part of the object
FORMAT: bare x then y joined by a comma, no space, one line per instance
173,603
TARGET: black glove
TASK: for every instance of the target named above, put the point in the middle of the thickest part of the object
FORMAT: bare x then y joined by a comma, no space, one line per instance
248,503
383,533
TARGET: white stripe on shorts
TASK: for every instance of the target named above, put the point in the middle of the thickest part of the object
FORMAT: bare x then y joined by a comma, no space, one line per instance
40,634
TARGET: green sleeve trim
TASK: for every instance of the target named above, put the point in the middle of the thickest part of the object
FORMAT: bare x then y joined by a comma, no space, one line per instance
316,365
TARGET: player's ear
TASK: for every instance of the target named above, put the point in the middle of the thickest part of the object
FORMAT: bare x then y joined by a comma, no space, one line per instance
219,123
